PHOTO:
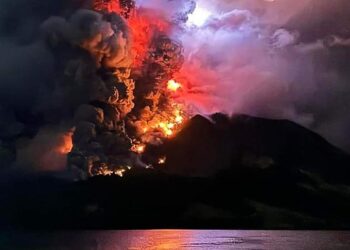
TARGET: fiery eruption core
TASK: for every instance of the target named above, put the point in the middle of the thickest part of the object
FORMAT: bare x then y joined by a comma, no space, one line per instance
138,148
173,86
135,60
162,160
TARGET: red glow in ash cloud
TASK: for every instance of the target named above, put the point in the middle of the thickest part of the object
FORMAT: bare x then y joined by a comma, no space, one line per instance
238,59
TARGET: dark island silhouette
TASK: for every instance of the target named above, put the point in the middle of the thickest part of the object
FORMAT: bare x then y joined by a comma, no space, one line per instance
240,172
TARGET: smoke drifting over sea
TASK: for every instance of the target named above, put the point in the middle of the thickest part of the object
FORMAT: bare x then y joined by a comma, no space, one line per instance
71,67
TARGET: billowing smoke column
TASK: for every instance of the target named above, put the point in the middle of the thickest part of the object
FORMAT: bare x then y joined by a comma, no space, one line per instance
112,65
112,126
105,96
94,50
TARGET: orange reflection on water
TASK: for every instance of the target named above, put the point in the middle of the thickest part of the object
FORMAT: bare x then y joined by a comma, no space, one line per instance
159,240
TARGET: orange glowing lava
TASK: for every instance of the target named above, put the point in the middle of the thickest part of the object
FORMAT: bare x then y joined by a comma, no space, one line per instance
162,160
106,171
173,85
168,122
138,148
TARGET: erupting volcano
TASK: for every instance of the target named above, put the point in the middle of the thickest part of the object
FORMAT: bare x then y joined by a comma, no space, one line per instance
129,74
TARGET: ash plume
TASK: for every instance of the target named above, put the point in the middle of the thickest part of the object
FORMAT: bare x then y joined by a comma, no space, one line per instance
76,70
86,58
96,85
269,59
47,151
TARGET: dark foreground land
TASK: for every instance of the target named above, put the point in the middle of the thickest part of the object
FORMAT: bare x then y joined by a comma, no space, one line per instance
239,172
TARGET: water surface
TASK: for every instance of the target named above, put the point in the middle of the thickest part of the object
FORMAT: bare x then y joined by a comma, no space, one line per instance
176,239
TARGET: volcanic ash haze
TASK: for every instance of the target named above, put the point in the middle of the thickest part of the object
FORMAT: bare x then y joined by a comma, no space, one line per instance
102,69
275,59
